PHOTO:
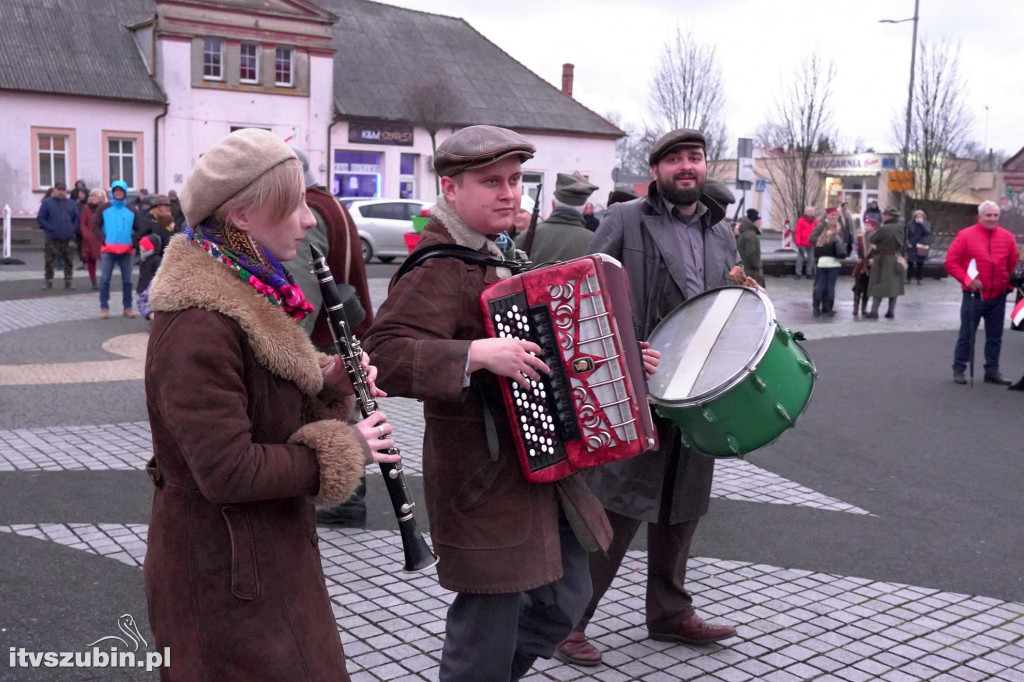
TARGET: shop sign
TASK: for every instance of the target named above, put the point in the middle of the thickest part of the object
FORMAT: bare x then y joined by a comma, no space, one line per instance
852,162
380,133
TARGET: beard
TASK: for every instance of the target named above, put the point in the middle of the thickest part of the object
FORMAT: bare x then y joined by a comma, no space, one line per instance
677,196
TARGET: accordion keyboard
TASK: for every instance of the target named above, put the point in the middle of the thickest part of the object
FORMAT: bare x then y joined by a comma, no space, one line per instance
544,412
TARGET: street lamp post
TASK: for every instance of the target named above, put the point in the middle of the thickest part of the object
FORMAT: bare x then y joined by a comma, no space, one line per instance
910,90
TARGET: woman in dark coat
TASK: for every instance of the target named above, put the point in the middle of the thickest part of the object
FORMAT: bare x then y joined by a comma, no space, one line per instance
248,433
919,236
89,243
887,270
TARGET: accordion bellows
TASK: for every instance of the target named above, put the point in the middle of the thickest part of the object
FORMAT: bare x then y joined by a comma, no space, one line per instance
592,408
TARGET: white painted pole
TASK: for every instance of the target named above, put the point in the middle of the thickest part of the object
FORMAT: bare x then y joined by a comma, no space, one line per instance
7,231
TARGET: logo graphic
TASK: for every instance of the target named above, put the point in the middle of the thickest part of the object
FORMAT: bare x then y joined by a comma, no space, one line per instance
126,624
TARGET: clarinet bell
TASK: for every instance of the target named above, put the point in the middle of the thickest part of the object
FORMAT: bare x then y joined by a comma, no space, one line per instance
418,555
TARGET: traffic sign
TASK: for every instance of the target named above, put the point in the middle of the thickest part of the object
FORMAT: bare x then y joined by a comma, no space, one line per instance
759,185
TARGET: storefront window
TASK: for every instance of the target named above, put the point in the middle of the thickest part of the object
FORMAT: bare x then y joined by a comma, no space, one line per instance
407,181
357,174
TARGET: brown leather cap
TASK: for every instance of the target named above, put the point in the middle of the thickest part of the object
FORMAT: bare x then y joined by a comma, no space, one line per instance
479,146
680,137
159,200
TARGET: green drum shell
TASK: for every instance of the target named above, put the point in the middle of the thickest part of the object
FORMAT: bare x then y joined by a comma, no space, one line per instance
754,412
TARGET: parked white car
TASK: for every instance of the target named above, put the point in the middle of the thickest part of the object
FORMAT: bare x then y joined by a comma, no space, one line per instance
382,225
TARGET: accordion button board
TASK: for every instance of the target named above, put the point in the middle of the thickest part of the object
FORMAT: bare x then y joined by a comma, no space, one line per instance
544,411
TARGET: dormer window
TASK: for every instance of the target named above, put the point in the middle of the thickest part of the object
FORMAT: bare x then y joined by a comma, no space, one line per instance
284,70
213,59
249,63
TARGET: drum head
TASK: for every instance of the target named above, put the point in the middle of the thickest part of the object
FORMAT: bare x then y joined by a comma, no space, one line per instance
709,343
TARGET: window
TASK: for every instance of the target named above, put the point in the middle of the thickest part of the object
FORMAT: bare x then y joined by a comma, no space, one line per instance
389,211
53,159
283,66
121,160
213,59
249,64
407,176
124,158
357,174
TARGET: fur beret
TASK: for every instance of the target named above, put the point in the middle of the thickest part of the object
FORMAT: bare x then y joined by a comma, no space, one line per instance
233,164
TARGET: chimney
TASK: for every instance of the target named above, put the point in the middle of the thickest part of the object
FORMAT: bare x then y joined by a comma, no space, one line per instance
567,79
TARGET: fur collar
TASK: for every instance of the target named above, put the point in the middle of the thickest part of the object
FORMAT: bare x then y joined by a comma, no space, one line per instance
463,235
189,278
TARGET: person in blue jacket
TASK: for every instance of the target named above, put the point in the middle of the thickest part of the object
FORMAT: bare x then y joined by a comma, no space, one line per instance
114,225
58,218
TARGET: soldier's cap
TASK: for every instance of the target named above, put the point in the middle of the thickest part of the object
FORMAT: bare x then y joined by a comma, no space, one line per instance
573,189
719,192
682,137
892,211
479,146
159,200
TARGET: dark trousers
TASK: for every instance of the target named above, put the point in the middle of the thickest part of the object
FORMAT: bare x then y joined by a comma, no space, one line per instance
915,267
668,549
497,637
825,289
107,263
971,314
58,251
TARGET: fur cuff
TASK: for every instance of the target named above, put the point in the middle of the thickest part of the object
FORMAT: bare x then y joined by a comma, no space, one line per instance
342,453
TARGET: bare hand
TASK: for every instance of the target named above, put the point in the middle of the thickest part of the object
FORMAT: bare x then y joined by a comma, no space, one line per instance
975,285
371,377
737,275
507,357
377,433
651,358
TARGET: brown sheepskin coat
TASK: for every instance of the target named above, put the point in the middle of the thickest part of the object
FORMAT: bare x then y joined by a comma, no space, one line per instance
234,391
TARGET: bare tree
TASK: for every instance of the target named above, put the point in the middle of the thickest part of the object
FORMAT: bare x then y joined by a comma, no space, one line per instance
686,91
940,123
632,151
799,125
433,106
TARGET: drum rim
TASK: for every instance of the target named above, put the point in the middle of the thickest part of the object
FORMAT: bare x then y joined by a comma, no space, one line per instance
743,372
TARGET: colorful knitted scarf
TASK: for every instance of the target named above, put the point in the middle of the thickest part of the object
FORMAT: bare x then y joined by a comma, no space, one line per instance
253,264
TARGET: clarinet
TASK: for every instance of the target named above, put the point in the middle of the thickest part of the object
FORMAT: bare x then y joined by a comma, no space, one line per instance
418,555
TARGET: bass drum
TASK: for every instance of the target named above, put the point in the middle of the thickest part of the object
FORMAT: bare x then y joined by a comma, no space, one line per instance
730,378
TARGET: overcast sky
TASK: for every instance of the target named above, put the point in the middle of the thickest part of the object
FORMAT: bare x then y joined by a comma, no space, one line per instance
615,45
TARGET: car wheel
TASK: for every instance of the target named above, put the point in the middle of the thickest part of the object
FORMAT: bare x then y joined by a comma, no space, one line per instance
367,250
386,259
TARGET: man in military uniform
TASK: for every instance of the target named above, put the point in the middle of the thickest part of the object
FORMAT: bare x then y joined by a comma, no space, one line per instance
564,234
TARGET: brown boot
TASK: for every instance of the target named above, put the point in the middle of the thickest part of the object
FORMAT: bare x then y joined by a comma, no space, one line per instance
128,312
576,649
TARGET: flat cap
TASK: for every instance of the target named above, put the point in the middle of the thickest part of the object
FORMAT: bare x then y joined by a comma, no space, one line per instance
892,211
479,146
679,137
719,192
230,166
573,189
618,196
159,200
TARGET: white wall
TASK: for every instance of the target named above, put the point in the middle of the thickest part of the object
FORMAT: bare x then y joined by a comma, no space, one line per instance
197,117
88,117
594,157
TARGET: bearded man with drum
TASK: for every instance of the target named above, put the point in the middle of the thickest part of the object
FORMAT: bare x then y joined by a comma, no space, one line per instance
674,246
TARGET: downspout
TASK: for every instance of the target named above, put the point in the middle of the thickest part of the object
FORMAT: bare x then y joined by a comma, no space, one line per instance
329,184
156,149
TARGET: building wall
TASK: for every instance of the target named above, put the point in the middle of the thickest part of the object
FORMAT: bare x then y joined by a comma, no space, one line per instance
594,157
88,119
198,117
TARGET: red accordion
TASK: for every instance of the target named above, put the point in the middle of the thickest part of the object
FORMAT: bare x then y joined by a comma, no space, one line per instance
592,408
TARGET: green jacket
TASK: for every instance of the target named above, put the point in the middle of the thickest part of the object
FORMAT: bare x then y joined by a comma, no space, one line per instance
748,243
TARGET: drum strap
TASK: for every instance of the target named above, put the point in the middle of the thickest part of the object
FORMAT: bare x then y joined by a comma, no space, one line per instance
463,253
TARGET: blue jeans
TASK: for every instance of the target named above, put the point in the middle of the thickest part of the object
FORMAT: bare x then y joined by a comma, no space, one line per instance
107,261
824,296
971,314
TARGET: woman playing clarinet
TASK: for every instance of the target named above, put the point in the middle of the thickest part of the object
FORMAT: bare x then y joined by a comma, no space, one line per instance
248,432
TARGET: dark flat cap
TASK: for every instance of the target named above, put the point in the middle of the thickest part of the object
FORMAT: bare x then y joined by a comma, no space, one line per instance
618,196
574,189
676,138
479,146
719,192
752,215
159,200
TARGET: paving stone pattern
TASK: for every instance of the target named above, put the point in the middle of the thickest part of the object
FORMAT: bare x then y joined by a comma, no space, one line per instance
792,625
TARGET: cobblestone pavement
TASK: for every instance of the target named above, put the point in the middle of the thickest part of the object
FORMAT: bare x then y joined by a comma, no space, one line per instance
793,624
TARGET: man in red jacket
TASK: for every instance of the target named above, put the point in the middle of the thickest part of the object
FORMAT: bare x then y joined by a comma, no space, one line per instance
981,258
804,248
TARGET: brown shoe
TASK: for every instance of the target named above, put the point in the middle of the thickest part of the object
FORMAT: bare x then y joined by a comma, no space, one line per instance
576,649
104,313
694,630
128,312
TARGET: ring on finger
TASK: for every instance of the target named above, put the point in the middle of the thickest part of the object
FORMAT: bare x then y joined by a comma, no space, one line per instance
381,431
